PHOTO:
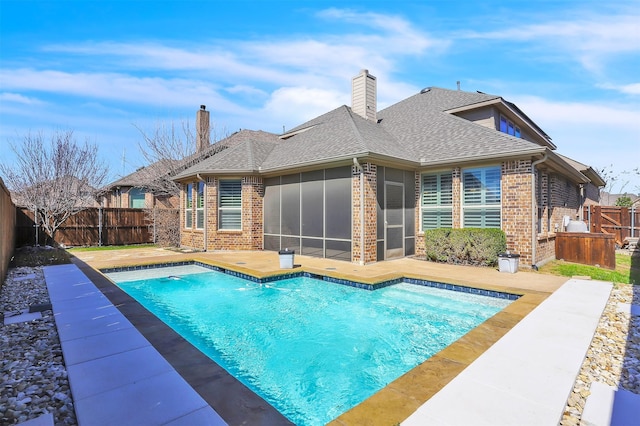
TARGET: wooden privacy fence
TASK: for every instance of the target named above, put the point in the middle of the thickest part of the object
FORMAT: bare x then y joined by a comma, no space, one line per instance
7,229
586,248
91,227
621,222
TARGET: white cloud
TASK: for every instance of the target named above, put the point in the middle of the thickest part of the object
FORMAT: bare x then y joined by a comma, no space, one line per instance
17,98
294,105
595,134
589,39
627,89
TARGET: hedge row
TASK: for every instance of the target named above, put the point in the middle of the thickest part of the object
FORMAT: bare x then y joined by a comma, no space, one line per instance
468,246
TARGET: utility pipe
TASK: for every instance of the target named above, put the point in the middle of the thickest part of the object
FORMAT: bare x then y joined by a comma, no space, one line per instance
534,234
361,170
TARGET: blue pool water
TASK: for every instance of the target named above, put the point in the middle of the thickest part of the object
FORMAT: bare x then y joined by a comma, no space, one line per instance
313,349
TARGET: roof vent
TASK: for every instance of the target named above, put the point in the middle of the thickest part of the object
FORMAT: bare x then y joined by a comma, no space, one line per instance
425,90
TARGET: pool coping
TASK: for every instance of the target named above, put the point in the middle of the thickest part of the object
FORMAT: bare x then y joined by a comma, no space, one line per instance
230,398
398,400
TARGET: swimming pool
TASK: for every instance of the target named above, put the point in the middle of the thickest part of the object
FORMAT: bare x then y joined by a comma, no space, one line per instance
312,349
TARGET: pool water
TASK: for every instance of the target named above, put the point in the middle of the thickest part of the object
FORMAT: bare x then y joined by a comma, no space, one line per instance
311,348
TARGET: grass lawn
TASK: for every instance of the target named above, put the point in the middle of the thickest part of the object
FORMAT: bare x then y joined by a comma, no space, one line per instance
103,248
627,270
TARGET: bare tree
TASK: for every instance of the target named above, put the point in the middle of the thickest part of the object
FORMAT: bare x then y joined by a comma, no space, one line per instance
54,179
169,150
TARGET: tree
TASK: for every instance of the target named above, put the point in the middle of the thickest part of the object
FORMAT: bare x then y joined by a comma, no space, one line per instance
169,150
624,201
54,179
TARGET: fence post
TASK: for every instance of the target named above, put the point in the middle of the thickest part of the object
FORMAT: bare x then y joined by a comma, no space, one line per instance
155,238
100,226
35,225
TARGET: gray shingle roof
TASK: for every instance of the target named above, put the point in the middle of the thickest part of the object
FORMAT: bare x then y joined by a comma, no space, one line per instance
247,150
417,129
434,136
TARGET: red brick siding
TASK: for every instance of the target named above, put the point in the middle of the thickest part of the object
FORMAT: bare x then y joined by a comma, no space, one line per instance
370,213
516,207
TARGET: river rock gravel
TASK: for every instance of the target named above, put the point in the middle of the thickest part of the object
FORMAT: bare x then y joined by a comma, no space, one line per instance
33,375
614,355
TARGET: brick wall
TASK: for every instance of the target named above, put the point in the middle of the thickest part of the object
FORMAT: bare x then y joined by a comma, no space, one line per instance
248,238
370,213
516,207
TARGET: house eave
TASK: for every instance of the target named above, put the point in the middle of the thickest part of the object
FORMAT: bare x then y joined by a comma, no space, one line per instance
484,158
515,111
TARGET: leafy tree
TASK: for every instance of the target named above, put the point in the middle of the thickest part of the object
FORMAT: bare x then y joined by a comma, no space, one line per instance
56,178
624,201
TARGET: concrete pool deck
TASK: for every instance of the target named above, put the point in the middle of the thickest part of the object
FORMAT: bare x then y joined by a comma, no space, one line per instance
421,393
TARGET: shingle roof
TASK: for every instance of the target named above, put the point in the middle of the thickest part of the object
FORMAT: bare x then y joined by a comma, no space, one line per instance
247,150
337,134
422,127
418,129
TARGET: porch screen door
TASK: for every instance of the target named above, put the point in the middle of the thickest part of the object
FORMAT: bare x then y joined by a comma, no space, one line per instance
394,220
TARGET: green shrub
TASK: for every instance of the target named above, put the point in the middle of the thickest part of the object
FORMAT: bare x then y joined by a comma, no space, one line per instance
468,246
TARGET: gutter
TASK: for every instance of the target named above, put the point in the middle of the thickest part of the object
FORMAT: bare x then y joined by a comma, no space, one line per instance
534,234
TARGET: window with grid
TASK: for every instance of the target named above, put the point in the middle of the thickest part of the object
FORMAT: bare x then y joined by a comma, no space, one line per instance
200,206
230,204
507,126
481,197
436,200
188,206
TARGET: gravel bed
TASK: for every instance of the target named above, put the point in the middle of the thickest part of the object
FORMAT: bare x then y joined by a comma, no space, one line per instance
614,355
34,377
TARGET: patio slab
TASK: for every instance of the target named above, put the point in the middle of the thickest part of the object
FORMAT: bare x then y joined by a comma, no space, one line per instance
116,376
527,376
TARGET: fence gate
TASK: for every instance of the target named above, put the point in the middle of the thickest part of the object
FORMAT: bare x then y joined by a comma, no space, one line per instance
621,222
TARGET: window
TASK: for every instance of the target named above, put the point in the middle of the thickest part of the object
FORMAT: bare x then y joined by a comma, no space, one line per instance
437,200
507,126
230,204
200,206
136,198
188,206
481,198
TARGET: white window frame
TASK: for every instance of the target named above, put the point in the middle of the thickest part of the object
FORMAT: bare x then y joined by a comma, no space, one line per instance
229,205
485,196
441,203
200,201
188,206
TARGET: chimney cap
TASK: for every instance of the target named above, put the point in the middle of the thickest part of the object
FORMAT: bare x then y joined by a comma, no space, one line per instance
203,107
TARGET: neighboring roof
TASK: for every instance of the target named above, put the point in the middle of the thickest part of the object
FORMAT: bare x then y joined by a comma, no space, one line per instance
163,167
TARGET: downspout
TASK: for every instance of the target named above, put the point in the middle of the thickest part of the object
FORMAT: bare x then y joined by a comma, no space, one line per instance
361,170
204,213
534,234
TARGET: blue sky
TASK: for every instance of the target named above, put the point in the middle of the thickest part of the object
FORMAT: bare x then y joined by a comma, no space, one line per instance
106,68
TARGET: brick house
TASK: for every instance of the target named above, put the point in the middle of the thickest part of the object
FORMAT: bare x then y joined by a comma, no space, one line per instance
362,185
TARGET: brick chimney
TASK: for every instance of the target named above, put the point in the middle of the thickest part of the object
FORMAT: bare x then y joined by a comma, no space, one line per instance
202,128
364,95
